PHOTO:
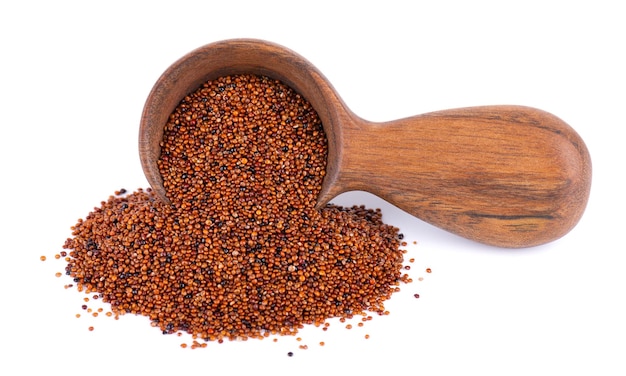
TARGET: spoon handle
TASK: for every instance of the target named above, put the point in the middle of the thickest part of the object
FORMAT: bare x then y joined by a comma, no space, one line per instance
508,176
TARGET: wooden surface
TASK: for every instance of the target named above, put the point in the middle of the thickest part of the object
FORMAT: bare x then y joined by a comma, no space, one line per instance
508,176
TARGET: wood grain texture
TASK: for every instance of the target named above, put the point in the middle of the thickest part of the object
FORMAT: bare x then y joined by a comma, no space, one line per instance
508,176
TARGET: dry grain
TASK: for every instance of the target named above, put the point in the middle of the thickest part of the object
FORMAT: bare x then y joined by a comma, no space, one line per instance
241,252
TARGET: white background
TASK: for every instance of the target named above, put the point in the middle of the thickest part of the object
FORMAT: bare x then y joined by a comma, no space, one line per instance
73,81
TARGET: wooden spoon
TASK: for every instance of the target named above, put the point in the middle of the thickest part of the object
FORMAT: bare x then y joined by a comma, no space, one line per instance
508,176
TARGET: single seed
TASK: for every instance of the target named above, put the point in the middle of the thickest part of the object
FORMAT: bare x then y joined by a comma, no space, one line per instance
42,258
290,354
58,274
428,270
416,296
91,328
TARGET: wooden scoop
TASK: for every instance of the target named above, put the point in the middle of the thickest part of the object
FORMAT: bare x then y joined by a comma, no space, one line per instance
508,176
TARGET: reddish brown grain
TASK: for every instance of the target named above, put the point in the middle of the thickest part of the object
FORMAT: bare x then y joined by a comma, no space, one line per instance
241,251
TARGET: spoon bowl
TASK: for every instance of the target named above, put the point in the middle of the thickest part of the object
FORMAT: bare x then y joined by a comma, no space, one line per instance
233,57
508,176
